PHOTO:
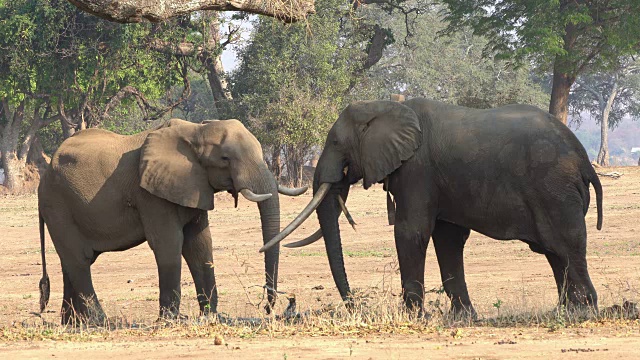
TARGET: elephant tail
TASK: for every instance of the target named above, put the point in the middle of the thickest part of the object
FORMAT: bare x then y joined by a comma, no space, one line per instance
595,181
44,282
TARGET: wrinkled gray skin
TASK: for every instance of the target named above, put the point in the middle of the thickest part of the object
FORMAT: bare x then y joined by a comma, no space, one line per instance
107,192
514,172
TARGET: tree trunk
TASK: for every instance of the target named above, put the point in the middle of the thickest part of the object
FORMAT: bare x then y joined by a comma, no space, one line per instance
563,76
295,163
276,162
11,163
13,167
37,156
127,11
559,104
603,154
13,171
212,60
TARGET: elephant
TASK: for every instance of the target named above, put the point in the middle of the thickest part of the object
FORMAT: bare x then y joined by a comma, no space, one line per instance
514,172
108,192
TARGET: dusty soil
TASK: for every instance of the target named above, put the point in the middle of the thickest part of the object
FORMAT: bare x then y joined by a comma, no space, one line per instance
503,276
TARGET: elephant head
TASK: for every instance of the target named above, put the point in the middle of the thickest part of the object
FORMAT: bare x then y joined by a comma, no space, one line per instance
369,140
186,163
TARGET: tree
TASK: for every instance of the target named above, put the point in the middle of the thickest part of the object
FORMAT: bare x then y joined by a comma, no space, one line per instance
447,68
609,97
127,11
295,124
290,83
198,39
60,64
569,37
293,79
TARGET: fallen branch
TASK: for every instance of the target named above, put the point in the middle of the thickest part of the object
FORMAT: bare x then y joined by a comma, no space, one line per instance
613,174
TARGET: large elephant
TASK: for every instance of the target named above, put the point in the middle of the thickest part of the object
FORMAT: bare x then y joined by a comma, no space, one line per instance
514,172
108,192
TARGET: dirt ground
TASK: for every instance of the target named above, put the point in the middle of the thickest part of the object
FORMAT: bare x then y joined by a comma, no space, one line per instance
504,277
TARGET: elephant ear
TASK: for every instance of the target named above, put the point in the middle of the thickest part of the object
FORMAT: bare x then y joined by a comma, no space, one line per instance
389,134
170,169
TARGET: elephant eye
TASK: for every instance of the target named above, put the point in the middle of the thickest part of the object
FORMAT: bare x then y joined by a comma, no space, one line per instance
225,158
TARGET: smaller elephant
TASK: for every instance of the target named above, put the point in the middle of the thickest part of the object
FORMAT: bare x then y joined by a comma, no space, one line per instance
108,192
514,172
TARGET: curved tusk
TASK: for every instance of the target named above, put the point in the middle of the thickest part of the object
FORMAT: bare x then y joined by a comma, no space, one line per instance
346,213
306,241
249,195
318,234
292,191
304,214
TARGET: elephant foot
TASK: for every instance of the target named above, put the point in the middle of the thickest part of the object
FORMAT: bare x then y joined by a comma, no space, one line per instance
578,305
173,319
208,310
171,314
89,313
82,320
577,311
424,316
463,313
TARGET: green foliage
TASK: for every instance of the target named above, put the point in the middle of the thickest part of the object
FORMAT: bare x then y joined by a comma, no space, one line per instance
293,80
592,91
57,57
198,106
296,117
573,34
306,55
448,68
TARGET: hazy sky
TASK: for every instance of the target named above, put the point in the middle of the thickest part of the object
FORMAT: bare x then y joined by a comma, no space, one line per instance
229,60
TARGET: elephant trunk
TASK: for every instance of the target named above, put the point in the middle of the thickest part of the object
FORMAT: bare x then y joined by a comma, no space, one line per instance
270,218
328,212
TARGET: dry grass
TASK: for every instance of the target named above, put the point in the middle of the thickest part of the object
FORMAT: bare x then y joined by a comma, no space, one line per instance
375,312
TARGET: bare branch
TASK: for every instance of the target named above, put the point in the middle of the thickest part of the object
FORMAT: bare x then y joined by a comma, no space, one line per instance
376,45
232,35
128,11
410,13
179,49
143,103
63,113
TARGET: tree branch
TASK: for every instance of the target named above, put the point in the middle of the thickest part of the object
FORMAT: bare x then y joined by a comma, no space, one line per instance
142,101
4,110
179,49
374,53
594,92
128,11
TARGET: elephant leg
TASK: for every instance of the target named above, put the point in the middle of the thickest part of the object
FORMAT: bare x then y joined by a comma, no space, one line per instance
80,301
572,279
165,238
79,298
68,311
449,240
412,237
169,269
197,252
567,256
